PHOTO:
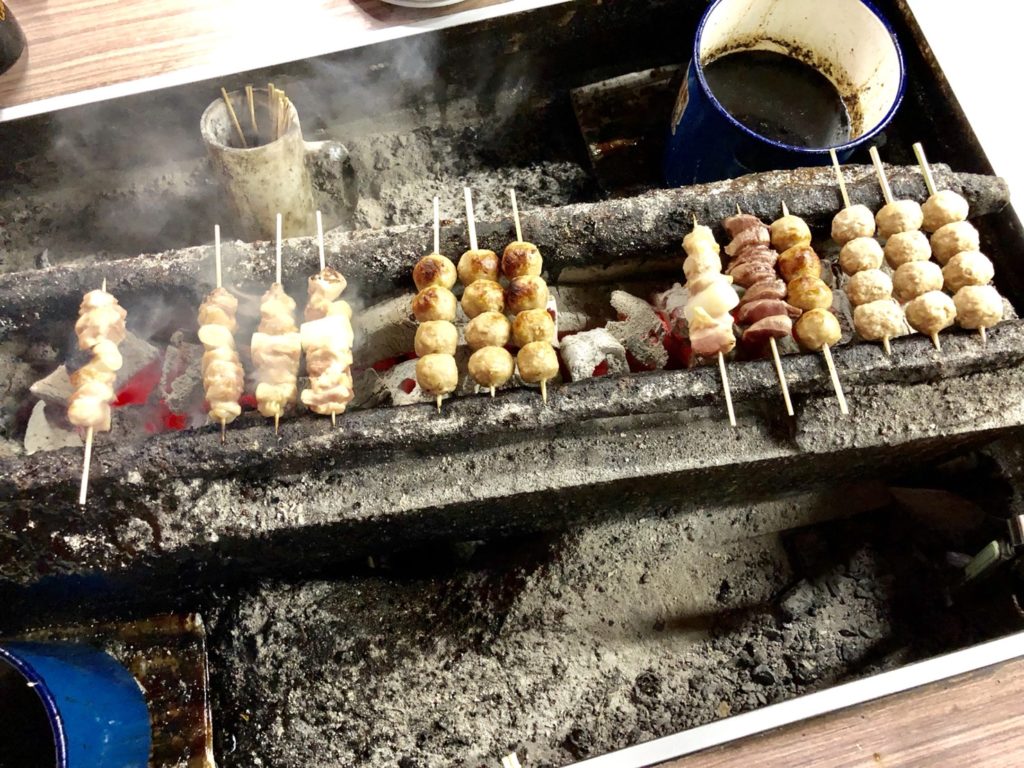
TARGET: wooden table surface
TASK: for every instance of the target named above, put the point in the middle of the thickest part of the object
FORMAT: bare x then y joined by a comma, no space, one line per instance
81,51
976,719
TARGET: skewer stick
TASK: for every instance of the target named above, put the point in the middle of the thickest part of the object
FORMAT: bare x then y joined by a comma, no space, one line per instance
216,254
439,398
725,387
279,248
936,342
277,422
782,376
515,215
544,390
437,225
840,178
86,461
320,239
493,390
886,346
785,209
252,111
234,117
470,220
836,384
223,431
334,419
926,169
883,180
984,335
103,286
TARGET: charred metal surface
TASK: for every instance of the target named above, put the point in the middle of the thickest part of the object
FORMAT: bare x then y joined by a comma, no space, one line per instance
377,261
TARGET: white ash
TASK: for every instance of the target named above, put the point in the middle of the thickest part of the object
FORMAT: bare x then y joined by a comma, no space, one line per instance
583,352
640,331
48,434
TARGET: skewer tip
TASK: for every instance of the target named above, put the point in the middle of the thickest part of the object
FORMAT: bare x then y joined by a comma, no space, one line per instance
439,397
984,335
334,419
886,346
493,390
785,209
277,423
544,391
936,342
223,431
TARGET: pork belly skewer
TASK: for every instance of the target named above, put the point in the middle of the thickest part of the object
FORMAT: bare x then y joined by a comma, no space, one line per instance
276,347
327,338
711,298
875,315
763,307
434,308
100,328
533,330
967,273
223,375
483,299
817,329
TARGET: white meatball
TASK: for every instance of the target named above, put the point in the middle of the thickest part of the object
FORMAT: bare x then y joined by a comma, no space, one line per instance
944,207
868,286
951,239
436,337
437,374
700,239
879,320
489,329
968,268
931,312
916,277
701,261
537,362
483,296
898,216
788,232
491,366
855,221
861,253
978,306
908,246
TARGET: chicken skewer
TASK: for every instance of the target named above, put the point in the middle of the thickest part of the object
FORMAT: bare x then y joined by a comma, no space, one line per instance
327,337
276,347
710,301
763,307
875,316
931,311
434,308
100,328
483,300
223,375
967,272
533,330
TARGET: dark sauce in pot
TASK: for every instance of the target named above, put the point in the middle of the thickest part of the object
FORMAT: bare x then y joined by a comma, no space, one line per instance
26,739
780,98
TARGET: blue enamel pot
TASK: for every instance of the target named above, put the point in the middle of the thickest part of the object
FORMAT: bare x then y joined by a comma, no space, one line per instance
69,706
848,40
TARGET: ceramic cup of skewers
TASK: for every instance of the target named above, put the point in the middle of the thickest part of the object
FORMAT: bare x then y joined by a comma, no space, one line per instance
775,85
255,144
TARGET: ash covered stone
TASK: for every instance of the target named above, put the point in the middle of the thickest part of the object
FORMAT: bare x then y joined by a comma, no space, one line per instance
585,352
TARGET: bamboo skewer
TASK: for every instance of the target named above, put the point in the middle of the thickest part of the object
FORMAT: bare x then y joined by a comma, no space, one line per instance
726,389
437,224
277,416
234,117
220,283
836,384
782,376
840,178
515,215
320,240
883,180
252,112
926,169
470,218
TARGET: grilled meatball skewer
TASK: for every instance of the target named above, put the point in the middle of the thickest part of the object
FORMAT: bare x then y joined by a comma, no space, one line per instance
875,315
434,308
817,329
711,298
223,375
533,330
967,273
931,311
100,328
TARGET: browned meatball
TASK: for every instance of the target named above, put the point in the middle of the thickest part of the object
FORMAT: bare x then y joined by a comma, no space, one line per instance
799,261
434,269
537,362
478,265
521,258
532,325
809,293
489,329
434,303
483,296
527,292
491,366
436,337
